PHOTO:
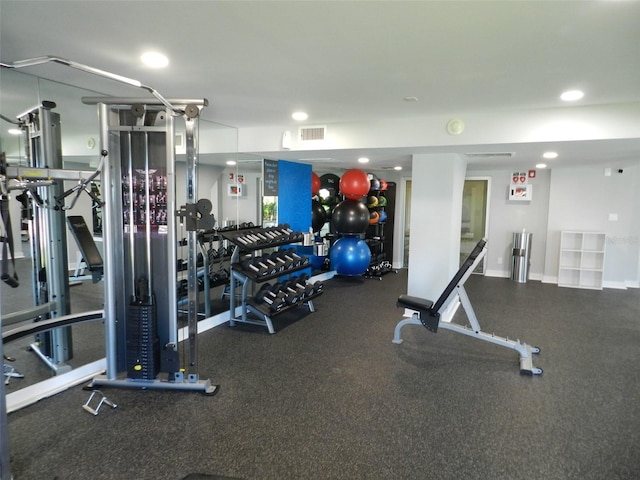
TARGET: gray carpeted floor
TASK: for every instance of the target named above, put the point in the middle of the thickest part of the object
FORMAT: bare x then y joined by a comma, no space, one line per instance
329,396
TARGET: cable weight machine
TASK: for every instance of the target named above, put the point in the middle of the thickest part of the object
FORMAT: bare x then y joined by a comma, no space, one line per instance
48,237
140,242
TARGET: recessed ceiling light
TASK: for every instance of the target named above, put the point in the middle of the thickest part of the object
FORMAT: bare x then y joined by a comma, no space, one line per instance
363,160
397,167
572,95
231,162
14,131
550,155
541,165
154,59
300,116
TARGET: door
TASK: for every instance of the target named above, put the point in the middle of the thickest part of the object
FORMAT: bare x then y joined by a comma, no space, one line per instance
475,215
407,217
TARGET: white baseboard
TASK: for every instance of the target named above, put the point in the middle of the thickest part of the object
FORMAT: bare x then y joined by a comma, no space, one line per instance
497,273
504,274
617,285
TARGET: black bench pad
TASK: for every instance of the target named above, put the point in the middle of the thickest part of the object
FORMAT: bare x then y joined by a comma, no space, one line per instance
414,303
429,318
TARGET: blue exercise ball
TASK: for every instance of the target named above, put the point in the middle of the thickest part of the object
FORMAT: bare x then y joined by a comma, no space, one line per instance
350,256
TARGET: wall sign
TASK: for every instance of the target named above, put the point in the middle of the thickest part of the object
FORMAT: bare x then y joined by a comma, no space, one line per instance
270,178
520,189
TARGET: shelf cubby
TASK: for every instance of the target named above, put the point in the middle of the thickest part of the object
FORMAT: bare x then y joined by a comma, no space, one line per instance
581,260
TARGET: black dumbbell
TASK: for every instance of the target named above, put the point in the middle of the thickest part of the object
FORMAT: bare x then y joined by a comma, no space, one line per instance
272,296
275,266
284,232
301,283
299,260
318,287
265,293
280,258
279,302
291,256
279,261
268,269
243,240
256,268
253,239
293,292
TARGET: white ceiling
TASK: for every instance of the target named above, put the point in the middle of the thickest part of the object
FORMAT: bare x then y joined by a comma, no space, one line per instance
349,61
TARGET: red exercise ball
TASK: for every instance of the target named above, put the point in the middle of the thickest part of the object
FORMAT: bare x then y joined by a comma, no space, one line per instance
354,184
315,183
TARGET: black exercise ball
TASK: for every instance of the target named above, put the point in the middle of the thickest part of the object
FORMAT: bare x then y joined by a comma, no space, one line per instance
318,215
350,216
330,182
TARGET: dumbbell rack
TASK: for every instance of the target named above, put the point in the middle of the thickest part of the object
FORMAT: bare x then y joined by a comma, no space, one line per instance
243,278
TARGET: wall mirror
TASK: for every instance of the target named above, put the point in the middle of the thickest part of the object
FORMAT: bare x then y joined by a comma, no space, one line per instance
21,92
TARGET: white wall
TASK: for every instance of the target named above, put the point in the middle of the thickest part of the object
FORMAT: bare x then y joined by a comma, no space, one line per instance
583,199
436,206
568,199
244,208
507,217
543,125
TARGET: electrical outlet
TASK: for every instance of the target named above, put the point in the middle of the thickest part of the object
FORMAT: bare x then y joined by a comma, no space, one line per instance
499,260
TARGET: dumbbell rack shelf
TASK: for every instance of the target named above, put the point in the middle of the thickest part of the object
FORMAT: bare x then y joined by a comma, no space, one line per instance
241,278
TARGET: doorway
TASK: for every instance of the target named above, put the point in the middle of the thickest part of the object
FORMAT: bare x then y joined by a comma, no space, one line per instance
406,228
475,217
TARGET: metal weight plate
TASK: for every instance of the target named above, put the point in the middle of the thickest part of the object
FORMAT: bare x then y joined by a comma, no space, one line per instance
204,206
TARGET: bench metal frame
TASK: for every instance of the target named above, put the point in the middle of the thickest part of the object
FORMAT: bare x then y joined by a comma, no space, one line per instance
440,314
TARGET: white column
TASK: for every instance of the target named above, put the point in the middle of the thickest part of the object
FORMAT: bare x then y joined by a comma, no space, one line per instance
437,183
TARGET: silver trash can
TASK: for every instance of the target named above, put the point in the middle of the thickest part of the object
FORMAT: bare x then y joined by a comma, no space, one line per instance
521,258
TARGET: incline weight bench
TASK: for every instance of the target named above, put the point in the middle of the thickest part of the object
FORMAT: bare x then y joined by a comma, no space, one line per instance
87,245
440,313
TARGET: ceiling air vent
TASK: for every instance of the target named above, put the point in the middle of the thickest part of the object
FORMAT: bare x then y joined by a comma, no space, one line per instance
312,134
490,155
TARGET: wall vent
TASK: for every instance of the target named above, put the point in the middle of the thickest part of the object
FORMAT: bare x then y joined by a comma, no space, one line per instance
313,134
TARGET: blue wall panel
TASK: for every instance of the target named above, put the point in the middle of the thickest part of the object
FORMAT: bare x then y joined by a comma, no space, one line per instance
294,195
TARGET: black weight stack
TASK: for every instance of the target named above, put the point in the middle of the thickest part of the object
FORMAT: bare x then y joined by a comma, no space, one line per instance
143,345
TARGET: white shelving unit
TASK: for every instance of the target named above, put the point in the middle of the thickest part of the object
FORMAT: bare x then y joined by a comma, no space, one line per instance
581,260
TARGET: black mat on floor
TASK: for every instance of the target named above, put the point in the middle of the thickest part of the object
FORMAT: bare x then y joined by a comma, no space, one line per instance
204,476
329,396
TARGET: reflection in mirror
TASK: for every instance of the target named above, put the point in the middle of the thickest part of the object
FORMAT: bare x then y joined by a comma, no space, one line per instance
78,127
18,94
80,150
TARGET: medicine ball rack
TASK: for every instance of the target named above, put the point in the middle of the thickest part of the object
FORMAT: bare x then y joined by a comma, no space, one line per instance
377,201
247,268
